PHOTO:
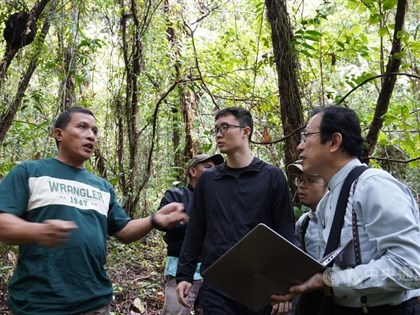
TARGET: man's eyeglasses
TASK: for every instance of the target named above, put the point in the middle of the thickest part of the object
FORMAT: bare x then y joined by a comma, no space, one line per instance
224,128
307,181
305,135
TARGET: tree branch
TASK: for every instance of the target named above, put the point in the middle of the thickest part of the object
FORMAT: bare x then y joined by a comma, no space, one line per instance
10,53
198,67
393,65
373,78
6,120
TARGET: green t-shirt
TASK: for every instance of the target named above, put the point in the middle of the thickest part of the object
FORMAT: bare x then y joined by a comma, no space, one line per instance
70,278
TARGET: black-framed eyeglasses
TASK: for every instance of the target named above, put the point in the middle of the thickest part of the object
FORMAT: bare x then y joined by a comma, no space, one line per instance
307,182
224,128
305,135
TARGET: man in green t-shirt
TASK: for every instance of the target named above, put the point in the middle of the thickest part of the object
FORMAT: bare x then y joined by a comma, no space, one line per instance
60,215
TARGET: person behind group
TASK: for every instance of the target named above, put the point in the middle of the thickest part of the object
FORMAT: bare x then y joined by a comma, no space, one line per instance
386,218
60,214
229,201
175,236
310,189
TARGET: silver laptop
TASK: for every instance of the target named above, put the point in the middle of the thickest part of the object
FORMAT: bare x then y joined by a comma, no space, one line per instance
262,263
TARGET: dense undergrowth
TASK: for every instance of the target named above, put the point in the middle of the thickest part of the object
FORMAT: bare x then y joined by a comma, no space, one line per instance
136,270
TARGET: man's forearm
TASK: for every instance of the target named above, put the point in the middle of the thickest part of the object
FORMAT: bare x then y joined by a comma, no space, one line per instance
135,230
16,231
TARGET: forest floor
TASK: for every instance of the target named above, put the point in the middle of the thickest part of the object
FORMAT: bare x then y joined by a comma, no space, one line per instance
136,271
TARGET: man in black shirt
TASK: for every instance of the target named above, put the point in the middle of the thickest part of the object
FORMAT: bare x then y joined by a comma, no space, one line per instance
229,201
175,236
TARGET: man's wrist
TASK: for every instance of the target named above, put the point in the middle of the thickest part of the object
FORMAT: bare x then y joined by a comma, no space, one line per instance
155,225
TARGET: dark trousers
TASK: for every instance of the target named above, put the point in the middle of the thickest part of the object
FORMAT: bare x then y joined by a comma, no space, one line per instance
214,302
410,307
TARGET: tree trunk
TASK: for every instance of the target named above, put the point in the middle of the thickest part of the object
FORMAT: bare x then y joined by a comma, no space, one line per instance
132,49
6,118
120,144
10,52
388,85
188,104
68,85
176,130
8,114
287,67
185,100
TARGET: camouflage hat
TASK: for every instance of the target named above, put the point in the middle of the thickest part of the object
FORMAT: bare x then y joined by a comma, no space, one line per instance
200,158
295,168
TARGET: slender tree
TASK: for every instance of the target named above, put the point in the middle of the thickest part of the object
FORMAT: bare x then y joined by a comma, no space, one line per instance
10,110
388,82
20,31
68,47
287,73
132,49
8,115
185,108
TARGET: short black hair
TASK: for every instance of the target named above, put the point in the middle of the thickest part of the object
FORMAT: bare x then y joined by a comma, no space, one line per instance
64,118
242,115
345,121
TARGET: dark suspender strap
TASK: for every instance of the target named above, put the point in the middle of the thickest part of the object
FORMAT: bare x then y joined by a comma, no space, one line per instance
305,224
357,253
334,236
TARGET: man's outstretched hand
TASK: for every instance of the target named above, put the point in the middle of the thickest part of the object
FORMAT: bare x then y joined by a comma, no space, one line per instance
169,216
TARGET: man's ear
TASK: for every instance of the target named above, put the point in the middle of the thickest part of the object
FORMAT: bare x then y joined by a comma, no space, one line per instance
192,171
247,132
58,133
336,140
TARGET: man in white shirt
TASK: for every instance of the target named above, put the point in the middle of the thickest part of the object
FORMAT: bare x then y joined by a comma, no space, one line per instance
383,212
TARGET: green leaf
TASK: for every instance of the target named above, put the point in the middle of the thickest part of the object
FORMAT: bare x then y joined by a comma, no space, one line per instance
306,53
403,35
400,55
352,4
308,46
374,18
311,38
382,139
314,33
415,45
405,112
389,4
294,42
341,44
382,31
363,77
